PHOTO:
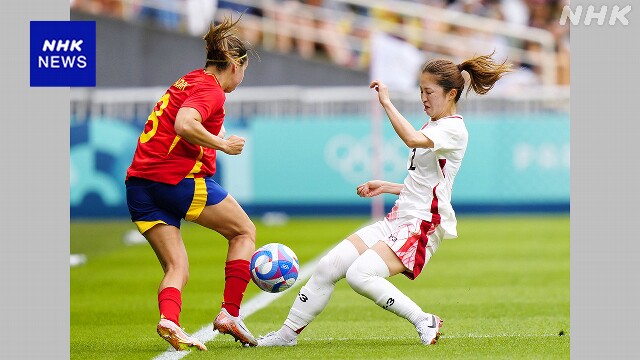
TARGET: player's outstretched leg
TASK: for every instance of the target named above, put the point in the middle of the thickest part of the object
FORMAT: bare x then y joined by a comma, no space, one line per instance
314,295
367,277
177,337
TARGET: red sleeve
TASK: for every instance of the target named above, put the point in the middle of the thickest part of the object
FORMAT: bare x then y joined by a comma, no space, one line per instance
206,100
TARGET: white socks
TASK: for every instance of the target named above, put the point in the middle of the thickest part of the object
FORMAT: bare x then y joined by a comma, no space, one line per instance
367,277
365,273
315,294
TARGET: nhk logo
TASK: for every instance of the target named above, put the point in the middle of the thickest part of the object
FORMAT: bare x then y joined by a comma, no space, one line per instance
65,61
63,53
617,14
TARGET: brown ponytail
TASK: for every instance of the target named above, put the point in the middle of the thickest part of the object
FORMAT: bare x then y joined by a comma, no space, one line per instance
223,47
483,72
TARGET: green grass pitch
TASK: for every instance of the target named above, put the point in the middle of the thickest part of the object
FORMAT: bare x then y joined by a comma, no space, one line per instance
502,289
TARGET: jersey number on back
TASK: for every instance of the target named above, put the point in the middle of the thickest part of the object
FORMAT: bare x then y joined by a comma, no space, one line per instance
153,117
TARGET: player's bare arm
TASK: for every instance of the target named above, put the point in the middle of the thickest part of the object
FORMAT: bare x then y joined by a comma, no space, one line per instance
410,136
376,187
188,125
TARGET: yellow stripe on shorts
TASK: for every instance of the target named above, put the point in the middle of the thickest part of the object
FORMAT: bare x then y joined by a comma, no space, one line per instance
143,226
199,200
198,165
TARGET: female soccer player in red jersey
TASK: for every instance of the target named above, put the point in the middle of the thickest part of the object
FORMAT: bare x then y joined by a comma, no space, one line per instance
170,178
404,241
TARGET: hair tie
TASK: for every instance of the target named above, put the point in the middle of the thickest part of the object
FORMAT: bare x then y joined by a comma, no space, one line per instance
223,61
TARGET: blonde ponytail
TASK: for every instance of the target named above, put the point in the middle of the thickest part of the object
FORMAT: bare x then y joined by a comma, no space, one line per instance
223,46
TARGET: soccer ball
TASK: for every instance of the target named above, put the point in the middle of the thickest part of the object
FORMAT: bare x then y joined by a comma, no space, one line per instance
274,268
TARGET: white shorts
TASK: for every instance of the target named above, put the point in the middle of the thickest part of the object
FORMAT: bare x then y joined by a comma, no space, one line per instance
413,240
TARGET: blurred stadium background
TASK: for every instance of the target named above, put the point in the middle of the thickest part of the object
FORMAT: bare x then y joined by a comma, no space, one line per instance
305,107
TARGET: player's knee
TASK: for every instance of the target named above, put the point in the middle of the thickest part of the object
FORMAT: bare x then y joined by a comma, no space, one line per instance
248,230
244,241
251,231
333,266
358,276
327,272
365,270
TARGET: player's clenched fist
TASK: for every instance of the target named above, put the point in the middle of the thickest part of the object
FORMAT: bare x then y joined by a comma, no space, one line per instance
235,144
370,188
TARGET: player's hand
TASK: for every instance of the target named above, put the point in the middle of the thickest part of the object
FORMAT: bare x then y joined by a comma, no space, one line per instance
382,89
222,132
370,188
234,145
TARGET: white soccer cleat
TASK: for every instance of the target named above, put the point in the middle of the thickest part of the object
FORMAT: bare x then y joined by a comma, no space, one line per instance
232,325
274,339
177,337
429,329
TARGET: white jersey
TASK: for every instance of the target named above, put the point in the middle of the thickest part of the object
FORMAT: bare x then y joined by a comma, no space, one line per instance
428,186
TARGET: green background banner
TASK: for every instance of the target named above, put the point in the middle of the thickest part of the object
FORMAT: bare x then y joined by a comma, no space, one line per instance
508,160
317,161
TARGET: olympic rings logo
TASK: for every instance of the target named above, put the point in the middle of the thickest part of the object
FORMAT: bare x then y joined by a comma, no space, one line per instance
352,157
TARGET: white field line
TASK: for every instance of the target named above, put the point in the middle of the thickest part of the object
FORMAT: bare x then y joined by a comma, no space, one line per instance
262,300
254,304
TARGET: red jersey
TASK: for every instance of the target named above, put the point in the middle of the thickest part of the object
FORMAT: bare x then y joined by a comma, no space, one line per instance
162,155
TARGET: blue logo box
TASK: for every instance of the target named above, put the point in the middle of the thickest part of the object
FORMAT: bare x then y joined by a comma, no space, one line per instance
63,53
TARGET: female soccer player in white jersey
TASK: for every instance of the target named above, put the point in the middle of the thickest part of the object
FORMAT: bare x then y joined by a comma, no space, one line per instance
404,241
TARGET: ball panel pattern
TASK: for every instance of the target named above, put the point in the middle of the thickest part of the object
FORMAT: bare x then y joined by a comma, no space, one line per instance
274,267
